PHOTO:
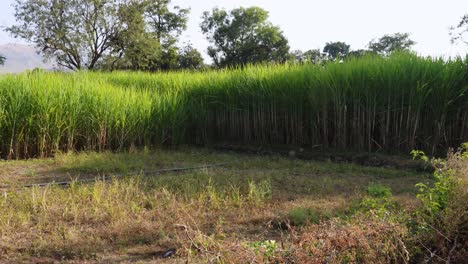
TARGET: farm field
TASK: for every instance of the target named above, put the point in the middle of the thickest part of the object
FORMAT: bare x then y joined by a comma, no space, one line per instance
226,132
260,164
395,104
228,213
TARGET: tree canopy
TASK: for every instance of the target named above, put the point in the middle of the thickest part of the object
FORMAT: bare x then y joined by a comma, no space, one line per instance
149,36
107,34
190,58
2,60
391,43
336,50
242,36
144,35
76,33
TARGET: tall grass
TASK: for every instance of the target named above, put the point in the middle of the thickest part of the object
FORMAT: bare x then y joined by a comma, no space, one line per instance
368,104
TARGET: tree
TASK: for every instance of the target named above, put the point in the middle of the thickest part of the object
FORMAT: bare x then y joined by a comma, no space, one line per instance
459,32
137,48
391,43
359,53
310,56
243,36
148,38
314,56
76,33
296,56
190,58
2,60
122,34
166,25
336,50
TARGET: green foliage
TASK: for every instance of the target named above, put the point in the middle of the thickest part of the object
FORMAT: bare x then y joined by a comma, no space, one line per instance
243,36
372,103
378,203
166,25
336,50
418,154
435,198
2,60
302,216
148,40
360,53
76,33
392,43
259,192
104,34
440,226
380,207
267,248
136,49
379,191
189,58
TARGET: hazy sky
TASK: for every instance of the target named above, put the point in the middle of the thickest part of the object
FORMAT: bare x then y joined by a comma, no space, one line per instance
311,23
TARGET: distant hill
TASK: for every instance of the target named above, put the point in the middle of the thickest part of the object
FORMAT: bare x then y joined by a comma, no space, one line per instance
20,57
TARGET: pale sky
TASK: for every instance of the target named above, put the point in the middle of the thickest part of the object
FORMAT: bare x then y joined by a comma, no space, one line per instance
309,24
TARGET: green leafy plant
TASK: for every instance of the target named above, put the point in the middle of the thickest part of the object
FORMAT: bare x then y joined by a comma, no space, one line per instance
440,226
302,216
435,198
267,248
259,192
379,191
378,202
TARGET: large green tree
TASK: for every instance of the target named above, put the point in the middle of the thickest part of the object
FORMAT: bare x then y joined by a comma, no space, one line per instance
135,48
242,36
149,36
166,23
76,33
391,43
336,50
110,34
190,58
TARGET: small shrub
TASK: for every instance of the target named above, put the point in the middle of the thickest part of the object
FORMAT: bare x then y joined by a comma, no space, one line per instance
440,226
267,248
378,202
259,192
379,191
303,216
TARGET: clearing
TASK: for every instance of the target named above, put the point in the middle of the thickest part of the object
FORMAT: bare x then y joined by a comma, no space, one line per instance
138,214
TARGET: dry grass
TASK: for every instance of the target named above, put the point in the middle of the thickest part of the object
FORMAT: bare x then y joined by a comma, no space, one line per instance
222,214
360,242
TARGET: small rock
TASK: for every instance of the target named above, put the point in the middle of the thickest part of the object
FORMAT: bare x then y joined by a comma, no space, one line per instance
292,154
169,253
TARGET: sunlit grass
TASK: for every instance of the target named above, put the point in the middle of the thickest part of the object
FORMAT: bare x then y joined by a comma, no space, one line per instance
369,104
86,220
